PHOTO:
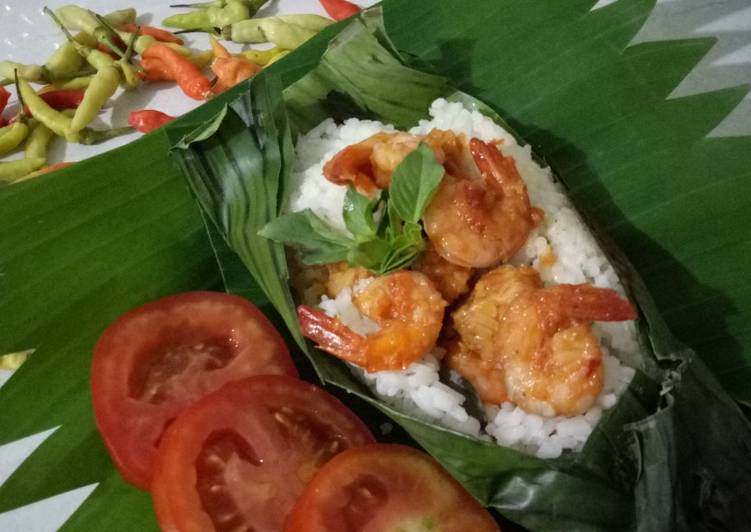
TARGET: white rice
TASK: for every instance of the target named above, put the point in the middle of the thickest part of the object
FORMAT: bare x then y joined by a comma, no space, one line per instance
419,389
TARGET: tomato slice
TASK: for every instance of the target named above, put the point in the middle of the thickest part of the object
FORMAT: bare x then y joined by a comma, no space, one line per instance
380,488
239,458
163,356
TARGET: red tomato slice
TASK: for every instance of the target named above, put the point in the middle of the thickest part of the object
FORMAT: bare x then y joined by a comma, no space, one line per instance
159,358
239,458
381,488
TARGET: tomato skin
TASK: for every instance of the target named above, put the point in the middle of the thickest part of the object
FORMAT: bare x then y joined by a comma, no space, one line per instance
279,431
382,487
157,359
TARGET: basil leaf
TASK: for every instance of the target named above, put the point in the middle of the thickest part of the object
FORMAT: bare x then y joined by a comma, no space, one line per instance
319,242
404,247
358,215
369,254
414,182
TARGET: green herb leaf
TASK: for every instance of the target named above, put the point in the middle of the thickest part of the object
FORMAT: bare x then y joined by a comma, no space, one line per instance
370,254
358,215
404,247
388,246
414,183
305,230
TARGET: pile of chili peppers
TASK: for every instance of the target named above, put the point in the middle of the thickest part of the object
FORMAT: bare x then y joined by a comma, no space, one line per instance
104,53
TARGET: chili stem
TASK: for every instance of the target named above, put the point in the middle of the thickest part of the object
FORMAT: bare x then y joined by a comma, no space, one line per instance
21,104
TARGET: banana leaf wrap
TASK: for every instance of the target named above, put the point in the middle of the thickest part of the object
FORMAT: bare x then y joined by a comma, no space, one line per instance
672,454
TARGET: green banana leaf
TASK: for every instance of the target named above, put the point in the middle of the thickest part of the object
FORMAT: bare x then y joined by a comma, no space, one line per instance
602,487
81,246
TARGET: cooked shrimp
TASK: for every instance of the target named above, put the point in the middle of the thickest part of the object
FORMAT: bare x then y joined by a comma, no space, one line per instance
485,376
477,319
475,356
451,280
408,310
342,276
368,165
532,345
481,222
551,359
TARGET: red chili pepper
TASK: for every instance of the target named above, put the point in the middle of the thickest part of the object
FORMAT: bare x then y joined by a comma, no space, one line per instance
107,50
158,33
4,96
188,76
63,99
148,120
3,121
340,9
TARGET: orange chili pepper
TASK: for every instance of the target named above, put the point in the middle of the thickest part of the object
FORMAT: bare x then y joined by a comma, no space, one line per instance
155,70
158,33
229,70
218,49
50,168
190,79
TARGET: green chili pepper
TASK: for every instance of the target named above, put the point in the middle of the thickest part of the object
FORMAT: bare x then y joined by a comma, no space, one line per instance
120,17
12,136
278,56
285,31
55,120
263,57
85,39
12,170
102,87
78,18
73,84
253,5
28,72
95,136
64,60
202,5
233,11
96,58
144,41
35,73
14,360
130,77
311,22
39,140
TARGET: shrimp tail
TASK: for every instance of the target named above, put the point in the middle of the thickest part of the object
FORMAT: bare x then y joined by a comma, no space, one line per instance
588,303
331,335
497,168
